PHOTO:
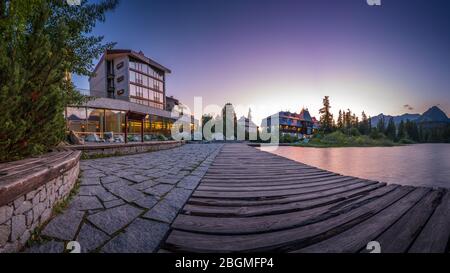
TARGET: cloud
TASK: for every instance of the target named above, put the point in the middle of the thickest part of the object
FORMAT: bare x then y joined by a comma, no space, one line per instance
409,107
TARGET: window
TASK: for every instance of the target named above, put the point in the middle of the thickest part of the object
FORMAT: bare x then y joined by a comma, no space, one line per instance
120,79
119,65
132,90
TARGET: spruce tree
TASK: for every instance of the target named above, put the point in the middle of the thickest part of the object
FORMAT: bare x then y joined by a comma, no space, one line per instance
40,42
340,121
326,118
402,134
391,130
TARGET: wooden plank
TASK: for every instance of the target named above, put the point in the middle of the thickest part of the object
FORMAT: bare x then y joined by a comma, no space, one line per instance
277,183
267,223
274,193
436,234
247,211
24,182
33,165
275,200
357,237
398,237
275,186
272,179
281,240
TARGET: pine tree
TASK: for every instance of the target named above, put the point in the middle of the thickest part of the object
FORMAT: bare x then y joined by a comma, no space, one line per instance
381,126
364,125
40,42
340,121
402,134
326,118
391,130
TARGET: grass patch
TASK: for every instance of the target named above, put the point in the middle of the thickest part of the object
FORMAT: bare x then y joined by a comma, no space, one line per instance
339,139
85,156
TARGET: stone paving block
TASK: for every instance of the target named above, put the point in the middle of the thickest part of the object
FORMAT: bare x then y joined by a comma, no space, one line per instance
113,203
91,190
189,182
178,197
114,219
163,212
159,190
89,181
147,201
85,203
144,185
90,238
110,179
141,236
116,184
93,173
47,247
64,226
127,193
168,180
106,196
138,178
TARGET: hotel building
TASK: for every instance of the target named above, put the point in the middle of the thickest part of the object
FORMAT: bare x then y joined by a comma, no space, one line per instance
129,104
299,125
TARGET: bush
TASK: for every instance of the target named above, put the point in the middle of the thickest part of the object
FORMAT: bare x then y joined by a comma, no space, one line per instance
288,139
354,132
161,137
377,135
406,141
334,138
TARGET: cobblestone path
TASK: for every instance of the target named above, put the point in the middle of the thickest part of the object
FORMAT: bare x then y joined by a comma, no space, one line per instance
126,204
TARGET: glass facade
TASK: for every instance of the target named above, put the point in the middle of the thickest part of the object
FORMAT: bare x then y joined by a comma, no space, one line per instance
104,125
146,85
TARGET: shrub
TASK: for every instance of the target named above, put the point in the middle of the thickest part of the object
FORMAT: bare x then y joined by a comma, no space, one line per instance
406,141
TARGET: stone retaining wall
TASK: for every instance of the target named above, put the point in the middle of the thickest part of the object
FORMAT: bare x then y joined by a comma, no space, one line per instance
28,193
95,150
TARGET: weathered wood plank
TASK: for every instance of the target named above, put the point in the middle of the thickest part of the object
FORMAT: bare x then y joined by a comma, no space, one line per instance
275,186
272,182
282,240
399,236
274,193
274,200
356,238
267,223
436,233
247,211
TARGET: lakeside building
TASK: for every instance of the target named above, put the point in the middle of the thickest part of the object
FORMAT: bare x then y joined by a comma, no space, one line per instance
300,125
129,104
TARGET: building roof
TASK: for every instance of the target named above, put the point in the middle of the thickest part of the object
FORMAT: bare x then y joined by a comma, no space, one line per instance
115,104
304,115
137,55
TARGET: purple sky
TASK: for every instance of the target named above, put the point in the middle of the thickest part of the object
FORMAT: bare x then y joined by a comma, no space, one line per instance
285,55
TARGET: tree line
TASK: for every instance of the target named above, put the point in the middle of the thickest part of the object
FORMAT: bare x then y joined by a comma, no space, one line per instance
406,131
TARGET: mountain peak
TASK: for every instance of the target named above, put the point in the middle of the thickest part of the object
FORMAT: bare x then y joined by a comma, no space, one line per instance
434,114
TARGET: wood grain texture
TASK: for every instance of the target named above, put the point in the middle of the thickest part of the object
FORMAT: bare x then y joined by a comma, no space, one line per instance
254,201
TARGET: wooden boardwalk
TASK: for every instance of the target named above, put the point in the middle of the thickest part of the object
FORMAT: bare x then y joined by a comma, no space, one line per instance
253,201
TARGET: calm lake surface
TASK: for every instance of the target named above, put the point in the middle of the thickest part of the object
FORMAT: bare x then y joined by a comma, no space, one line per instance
415,165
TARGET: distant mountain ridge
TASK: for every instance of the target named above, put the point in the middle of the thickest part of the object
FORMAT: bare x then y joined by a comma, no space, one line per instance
432,115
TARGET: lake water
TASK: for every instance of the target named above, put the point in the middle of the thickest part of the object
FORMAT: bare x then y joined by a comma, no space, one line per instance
415,165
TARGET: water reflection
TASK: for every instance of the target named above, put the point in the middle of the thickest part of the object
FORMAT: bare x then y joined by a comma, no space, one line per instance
416,165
